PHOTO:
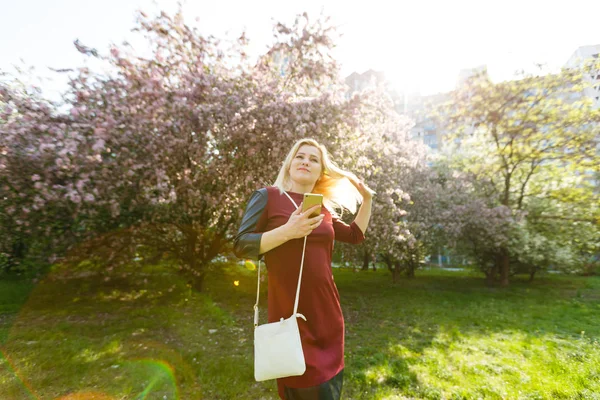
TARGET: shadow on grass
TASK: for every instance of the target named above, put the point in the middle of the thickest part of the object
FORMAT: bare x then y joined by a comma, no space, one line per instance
125,337
400,338
397,333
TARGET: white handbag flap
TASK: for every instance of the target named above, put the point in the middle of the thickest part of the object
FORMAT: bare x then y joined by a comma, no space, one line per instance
269,361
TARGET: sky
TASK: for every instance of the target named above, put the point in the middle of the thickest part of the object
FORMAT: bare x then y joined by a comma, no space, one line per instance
420,45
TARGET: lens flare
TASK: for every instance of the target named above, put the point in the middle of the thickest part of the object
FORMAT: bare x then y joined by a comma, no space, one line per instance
22,382
160,371
250,265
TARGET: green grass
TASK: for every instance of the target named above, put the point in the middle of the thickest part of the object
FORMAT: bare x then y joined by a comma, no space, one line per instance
13,293
443,335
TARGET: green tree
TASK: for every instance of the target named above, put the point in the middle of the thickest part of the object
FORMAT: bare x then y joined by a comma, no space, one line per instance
512,133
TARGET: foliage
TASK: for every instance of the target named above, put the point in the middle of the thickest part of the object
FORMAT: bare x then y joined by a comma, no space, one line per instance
528,141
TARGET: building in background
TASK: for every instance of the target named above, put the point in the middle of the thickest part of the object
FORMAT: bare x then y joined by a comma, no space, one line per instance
415,106
411,105
582,55
467,73
578,59
370,79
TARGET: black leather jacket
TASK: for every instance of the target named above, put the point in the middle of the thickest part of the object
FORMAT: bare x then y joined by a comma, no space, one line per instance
246,243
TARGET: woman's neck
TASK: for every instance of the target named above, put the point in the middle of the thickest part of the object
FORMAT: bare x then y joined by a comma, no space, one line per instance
299,188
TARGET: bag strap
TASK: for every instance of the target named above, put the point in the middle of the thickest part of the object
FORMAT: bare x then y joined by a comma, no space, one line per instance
299,279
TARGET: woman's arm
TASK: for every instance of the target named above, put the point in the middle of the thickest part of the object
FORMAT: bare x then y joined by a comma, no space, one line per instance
298,226
364,215
355,232
273,238
250,242
246,243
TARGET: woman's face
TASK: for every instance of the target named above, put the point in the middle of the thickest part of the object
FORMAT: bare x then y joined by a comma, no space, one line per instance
306,165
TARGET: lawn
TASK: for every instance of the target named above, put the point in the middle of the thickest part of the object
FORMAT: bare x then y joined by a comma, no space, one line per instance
443,335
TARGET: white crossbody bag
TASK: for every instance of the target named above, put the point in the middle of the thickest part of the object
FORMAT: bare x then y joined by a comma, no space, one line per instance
277,345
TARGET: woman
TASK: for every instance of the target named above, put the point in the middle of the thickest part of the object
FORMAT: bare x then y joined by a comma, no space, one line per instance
272,226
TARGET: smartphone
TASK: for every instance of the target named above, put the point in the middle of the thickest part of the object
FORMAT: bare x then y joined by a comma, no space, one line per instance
310,200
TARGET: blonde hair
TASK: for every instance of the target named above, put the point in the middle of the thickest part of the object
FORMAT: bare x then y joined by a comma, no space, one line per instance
334,183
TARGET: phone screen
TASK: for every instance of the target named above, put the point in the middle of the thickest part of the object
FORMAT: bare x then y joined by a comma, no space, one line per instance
310,200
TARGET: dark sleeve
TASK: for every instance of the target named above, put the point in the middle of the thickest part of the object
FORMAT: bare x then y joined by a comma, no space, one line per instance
347,233
247,241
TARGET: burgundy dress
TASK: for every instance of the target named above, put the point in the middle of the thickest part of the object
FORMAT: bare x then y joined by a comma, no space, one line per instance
323,331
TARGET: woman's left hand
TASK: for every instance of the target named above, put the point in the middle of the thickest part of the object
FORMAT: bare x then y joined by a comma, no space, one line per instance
366,192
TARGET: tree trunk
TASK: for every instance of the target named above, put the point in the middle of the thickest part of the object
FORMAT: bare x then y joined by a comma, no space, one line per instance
410,271
504,264
491,275
397,271
194,274
532,272
388,263
197,281
366,260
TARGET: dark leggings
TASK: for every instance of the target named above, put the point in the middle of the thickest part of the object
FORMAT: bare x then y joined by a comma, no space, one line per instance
330,390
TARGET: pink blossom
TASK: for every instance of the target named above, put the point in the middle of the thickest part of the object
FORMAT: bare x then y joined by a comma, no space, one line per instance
99,145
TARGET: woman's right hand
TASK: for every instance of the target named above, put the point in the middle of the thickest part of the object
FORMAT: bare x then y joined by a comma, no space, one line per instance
300,225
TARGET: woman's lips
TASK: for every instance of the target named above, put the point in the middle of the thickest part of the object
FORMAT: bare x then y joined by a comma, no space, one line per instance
303,169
